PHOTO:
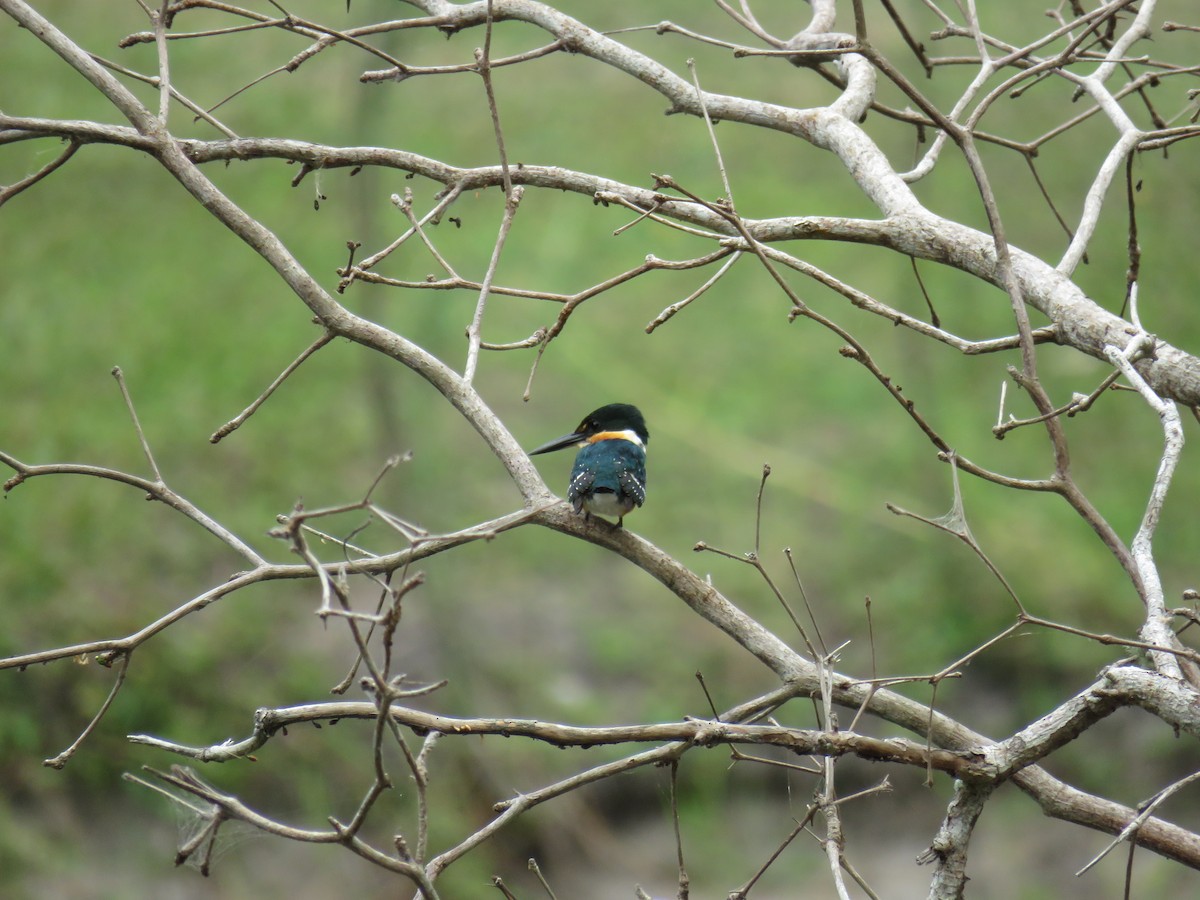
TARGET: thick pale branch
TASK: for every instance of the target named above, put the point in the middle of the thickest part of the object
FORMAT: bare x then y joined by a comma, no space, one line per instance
950,846
1157,627
1166,698
1080,322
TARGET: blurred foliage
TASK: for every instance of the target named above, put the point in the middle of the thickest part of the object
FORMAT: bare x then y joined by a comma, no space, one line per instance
110,263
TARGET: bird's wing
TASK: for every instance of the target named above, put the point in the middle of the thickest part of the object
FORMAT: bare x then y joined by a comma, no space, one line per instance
633,486
580,487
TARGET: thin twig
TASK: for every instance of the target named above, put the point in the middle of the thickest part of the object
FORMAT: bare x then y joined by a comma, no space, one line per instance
159,20
684,881
61,760
474,331
537,871
237,421
7,192
1143,814
137,426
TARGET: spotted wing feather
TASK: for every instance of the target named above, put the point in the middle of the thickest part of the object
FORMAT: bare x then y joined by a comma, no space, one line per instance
632,486
580,488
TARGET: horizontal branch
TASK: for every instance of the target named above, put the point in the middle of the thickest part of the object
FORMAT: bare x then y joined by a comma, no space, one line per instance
1079,321
698,732
1168,699
372,565
974,757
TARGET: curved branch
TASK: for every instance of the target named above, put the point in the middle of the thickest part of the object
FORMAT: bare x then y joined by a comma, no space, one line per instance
1080,322
155,490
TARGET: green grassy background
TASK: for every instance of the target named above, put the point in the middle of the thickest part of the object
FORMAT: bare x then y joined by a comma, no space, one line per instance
108,263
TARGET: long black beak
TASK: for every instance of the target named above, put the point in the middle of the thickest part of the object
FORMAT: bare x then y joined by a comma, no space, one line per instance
567,440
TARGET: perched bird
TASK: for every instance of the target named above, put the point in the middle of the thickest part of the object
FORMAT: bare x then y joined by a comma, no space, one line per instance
609,478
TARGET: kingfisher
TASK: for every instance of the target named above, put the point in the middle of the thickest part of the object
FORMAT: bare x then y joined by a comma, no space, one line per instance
609,478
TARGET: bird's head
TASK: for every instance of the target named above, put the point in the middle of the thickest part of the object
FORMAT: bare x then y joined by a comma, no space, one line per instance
614,420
